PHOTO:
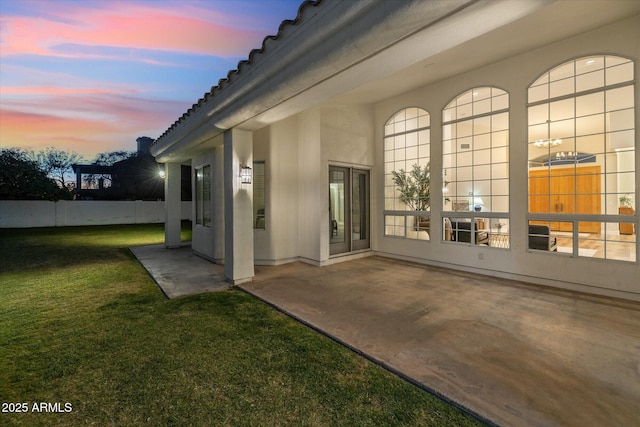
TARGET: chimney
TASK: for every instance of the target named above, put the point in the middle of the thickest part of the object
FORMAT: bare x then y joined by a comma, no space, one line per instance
144,142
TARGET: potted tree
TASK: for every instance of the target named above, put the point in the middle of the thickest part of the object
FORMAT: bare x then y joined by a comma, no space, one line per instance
414,187
626,201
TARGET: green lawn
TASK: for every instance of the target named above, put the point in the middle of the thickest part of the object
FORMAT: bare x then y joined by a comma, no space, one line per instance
81,323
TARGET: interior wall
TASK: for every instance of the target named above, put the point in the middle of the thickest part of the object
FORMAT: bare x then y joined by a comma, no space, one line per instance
514,75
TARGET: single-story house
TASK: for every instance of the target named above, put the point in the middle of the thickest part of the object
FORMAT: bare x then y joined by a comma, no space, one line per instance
491,136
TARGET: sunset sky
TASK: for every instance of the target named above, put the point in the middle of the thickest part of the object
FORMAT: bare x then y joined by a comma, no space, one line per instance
92,76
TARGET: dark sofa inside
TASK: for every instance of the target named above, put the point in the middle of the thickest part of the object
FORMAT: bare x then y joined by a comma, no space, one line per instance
540,238
461,232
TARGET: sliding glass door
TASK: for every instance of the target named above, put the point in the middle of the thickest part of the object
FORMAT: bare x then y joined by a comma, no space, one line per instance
348,209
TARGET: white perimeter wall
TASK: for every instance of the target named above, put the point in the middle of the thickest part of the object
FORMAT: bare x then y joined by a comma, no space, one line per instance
36,213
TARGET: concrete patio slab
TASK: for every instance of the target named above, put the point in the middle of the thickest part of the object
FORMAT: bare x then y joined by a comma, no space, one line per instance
512,353
178,272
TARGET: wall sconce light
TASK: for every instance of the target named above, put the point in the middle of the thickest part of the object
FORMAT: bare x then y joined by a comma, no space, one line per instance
245,174
161,173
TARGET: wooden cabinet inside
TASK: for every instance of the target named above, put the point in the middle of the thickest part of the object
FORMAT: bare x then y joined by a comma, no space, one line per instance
566,190
626,228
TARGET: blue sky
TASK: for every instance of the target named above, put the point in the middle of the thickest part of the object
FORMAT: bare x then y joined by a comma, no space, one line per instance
92,76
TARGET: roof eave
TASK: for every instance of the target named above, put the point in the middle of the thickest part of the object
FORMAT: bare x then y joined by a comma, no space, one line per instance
323,43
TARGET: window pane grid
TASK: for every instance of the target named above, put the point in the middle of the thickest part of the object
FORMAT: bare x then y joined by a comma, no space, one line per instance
394,225
472,147
409,225
581,153
203,195
580,75
474,229
403,151
259,211
206,201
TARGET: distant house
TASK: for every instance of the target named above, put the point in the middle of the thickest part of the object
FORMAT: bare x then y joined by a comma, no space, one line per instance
524,112
136,178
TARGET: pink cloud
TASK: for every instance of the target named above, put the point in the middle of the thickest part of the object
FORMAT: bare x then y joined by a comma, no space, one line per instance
67,106
53,90
36,131
39,82
139,25
106,106
85,124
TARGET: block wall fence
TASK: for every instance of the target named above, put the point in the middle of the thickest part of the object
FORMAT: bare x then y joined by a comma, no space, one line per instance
36,213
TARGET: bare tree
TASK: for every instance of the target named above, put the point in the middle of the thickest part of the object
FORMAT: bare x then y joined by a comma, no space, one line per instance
57,164
108,159
22,179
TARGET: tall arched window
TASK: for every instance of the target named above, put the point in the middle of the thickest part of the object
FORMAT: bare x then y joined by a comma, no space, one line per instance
581,147
407,174
476,167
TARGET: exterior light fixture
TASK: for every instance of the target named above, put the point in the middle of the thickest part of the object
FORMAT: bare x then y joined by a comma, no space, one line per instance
245,174
161,173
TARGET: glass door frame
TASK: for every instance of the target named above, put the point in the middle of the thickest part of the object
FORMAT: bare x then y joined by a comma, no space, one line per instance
351,241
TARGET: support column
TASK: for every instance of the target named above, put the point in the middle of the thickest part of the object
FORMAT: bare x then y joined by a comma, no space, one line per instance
172,205
238,207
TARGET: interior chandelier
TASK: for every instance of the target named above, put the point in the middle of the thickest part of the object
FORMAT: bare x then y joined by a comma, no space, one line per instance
544,143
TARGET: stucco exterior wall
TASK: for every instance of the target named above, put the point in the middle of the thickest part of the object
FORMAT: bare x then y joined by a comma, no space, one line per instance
514,75
347,138
297,152
277,146
312,202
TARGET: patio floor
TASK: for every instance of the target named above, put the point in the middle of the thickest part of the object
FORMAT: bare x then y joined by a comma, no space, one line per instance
178,272
514,354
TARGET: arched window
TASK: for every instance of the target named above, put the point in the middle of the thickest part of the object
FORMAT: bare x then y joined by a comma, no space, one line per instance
407,174
476,167
581,145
